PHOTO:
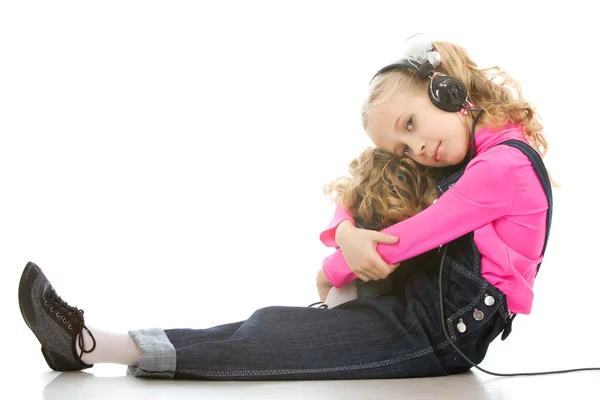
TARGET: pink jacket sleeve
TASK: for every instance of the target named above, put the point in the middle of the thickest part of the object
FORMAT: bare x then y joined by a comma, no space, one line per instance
485,192
328,235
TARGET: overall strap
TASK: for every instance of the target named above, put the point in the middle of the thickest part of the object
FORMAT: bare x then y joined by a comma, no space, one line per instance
540,170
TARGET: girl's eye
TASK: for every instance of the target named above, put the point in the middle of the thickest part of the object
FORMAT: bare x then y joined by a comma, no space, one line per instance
408,127
405,151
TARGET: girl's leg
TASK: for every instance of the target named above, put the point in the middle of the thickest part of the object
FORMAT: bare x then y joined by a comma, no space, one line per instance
384,337
359,339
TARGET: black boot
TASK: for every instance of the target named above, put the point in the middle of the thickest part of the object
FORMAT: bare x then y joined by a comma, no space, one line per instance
56,324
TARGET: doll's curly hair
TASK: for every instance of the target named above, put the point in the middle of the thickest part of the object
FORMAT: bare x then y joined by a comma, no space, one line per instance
383,188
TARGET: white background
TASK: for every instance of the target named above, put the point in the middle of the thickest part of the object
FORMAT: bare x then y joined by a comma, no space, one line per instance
163,162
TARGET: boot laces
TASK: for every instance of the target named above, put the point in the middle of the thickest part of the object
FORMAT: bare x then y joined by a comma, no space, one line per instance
73,318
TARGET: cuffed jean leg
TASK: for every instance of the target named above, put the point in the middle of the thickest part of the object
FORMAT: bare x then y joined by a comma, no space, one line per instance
158,358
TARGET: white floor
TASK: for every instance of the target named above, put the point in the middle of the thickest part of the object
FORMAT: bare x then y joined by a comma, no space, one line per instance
112,382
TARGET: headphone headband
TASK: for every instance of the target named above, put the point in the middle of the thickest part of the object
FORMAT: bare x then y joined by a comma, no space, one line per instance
425,69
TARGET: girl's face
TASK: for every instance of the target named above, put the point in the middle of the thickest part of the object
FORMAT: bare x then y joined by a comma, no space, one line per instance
410,125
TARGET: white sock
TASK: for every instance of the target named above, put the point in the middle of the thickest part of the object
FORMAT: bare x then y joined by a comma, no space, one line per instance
111,347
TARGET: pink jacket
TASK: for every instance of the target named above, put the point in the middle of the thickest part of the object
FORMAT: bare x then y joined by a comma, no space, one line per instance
499,198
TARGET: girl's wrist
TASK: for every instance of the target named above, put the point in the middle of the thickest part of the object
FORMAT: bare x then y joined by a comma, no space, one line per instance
343,227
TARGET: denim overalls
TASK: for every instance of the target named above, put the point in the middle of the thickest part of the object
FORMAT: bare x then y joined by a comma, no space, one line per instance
395,335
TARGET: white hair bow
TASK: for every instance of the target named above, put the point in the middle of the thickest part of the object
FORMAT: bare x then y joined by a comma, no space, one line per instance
418,47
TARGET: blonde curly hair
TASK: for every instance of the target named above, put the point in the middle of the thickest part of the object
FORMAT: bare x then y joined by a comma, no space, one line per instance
491,89
383,189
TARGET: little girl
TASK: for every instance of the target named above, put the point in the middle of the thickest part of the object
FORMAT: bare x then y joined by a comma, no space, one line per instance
468,261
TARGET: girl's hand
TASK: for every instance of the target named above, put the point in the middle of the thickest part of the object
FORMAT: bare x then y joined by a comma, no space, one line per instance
359,247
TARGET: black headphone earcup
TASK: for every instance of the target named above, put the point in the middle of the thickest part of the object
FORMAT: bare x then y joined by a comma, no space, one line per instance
447,93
